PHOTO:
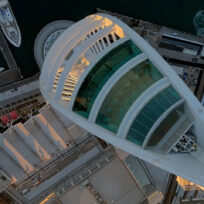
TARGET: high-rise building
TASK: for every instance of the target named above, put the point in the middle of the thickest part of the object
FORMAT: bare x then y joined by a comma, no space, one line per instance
46,37
105,78
45,158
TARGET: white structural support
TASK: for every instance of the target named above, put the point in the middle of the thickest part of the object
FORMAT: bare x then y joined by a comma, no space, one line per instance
82,46
89,68
68,47
59,58
85,45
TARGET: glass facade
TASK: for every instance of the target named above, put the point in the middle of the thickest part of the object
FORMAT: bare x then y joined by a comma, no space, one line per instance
166,125
124,93
100,74
150,113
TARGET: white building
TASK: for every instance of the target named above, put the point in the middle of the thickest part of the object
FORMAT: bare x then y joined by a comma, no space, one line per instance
49,158
46,37
27,148
105,78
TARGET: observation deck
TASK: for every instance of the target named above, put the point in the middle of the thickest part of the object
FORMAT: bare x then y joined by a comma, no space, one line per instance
105,78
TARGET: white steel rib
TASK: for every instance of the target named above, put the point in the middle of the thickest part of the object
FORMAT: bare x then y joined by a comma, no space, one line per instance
147,110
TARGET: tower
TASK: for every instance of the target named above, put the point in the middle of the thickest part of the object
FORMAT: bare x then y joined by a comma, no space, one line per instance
104,77
46,38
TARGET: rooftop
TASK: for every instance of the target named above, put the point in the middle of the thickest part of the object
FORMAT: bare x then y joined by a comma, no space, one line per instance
113,183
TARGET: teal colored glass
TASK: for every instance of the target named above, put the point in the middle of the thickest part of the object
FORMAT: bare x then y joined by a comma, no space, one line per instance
100,74
166,125
150,113
124,93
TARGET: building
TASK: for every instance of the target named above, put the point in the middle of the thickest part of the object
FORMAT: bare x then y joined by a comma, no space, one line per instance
46,37
46,158
87,170
105,78
183,51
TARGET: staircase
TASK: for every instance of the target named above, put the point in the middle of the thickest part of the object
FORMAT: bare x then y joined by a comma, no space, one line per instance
69,85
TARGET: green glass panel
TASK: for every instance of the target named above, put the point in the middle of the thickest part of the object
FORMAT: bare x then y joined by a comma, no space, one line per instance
100,74
153,109
166,125
124,93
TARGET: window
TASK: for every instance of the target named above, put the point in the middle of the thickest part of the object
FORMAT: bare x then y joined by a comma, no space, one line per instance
150,113
166,125
124,93
100,74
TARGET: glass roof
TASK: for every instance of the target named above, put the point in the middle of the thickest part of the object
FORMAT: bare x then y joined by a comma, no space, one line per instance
150,113
124,93
100,74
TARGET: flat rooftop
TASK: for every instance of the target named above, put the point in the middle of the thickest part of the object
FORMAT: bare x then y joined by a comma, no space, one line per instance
113,183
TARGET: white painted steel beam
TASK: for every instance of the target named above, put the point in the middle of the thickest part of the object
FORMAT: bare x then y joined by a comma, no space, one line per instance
89,68
184,165
75,57
59,51
69,43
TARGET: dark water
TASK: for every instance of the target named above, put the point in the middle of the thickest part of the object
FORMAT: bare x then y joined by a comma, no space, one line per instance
32,15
